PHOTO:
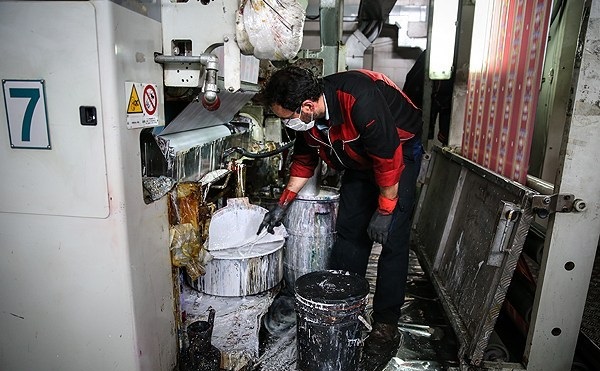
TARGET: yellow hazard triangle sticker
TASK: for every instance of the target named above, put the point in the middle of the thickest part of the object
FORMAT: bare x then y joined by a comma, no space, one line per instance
134,102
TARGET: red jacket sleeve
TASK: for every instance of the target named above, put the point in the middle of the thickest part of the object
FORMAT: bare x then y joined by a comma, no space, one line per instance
304,159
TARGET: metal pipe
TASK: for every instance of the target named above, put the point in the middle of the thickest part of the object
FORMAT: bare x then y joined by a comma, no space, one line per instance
210,62
537,184
210,89
166,59
249,154
331,12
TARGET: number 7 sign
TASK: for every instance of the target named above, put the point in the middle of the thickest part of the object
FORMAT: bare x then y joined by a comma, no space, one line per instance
25,102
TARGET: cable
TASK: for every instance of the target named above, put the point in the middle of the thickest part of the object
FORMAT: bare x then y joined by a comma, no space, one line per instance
246,153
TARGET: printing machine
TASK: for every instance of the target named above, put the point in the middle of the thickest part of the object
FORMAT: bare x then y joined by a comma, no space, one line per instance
111,106
88,89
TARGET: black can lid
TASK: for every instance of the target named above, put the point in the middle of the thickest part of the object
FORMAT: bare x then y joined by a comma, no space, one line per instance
332,286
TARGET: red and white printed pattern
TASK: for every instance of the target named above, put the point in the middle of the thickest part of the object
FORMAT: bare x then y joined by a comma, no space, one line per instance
502,96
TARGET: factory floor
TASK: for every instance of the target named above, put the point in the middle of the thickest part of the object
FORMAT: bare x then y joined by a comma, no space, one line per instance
428,341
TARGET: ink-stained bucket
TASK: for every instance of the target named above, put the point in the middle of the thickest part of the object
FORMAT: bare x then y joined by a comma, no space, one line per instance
243,263
310,224
330,309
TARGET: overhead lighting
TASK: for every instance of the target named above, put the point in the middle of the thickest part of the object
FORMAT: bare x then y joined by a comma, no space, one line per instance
443,38
480,35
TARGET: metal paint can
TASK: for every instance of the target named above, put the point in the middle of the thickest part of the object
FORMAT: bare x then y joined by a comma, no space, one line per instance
243,263
242,271
330,308
310,224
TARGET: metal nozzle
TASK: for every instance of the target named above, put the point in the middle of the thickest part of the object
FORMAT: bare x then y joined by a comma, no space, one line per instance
210,100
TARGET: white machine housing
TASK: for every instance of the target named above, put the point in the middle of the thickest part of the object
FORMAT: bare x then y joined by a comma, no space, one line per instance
191,29
85,273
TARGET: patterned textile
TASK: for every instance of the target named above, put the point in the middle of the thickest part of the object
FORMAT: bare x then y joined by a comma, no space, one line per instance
503,90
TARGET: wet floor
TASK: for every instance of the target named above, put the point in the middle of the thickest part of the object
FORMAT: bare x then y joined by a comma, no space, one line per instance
258,333
428,341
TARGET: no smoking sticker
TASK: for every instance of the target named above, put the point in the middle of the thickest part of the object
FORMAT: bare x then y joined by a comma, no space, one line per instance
150,99
142,105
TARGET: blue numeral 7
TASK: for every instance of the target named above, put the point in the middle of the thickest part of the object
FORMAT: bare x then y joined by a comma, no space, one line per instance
34,96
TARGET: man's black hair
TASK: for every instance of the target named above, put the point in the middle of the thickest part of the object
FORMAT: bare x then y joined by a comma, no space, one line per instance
290,86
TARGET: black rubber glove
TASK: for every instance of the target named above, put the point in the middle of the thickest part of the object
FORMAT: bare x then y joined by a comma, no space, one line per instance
272,219
379,227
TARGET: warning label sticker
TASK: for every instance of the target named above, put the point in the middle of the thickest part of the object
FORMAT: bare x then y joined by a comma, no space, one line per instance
142,111
150,99
134,102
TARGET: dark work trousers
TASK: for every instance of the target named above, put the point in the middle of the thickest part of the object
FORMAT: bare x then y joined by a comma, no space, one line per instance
352,248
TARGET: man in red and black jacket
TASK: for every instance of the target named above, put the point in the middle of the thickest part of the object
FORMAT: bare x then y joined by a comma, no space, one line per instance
361,123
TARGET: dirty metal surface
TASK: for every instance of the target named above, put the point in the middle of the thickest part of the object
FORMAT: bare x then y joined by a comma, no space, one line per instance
591,314
236,326
243,263
428,341
468,211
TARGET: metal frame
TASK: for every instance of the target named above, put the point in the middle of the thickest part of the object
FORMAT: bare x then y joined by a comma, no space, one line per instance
571,239
471,248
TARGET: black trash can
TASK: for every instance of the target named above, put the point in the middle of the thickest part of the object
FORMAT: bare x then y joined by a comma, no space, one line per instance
330,309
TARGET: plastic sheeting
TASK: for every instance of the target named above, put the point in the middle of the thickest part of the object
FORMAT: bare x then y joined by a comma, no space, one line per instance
270,29
187,226
235,227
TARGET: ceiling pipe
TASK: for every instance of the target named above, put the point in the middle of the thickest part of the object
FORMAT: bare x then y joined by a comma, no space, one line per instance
372,15
330,21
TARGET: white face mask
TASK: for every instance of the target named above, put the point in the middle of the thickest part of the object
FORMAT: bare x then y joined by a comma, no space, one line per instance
297,124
